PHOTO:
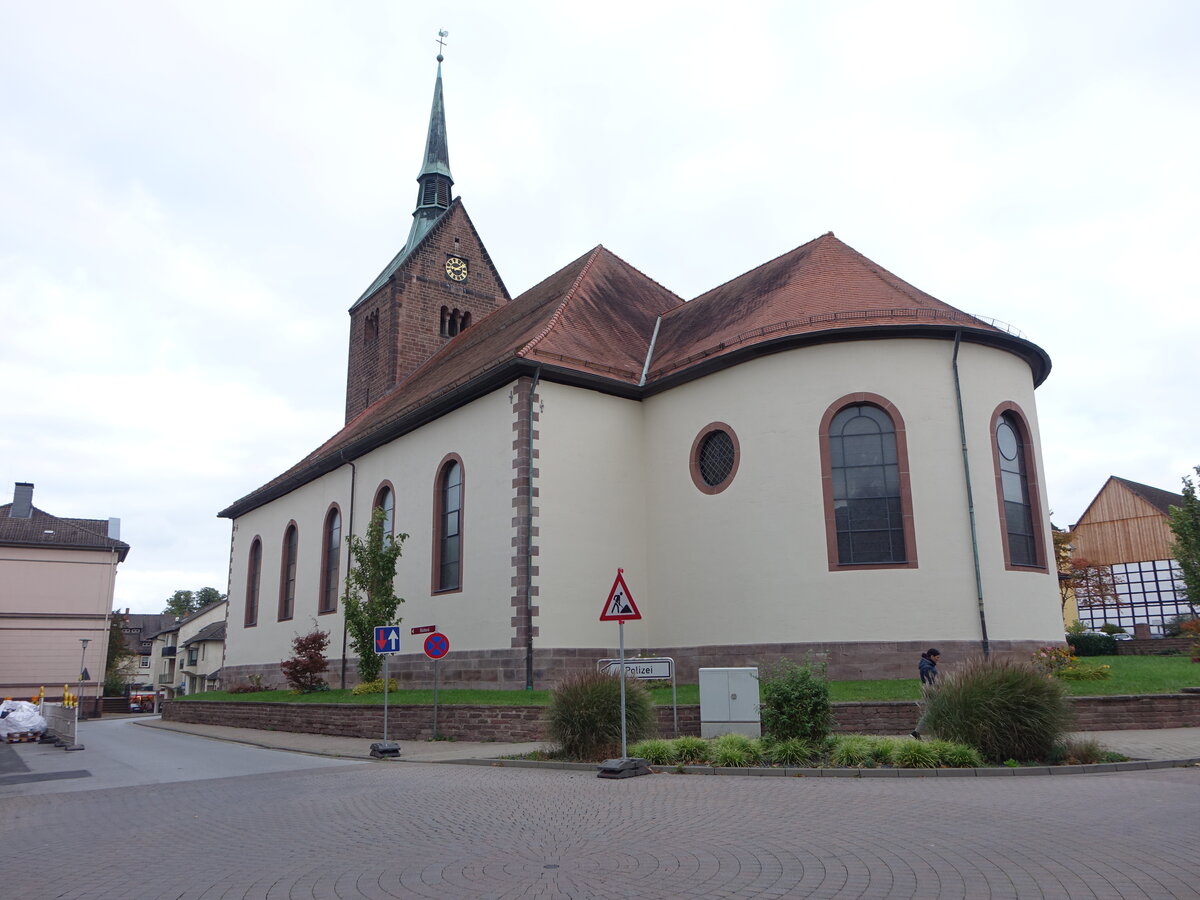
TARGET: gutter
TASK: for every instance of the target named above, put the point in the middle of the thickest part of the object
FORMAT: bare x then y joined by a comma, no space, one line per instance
985,645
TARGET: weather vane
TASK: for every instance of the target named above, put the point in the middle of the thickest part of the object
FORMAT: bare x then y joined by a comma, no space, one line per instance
442,33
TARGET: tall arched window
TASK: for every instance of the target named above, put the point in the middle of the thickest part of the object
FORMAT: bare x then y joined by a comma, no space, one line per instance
253,582
385,499
1016,487
448,542
287,572
331,551
868,505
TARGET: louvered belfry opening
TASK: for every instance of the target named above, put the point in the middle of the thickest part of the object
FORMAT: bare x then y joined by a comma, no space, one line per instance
434,192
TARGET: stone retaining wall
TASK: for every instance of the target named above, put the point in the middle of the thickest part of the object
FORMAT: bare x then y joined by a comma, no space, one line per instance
1154,646
525,723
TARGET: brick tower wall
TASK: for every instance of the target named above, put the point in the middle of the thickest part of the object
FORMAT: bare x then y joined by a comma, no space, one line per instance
396,329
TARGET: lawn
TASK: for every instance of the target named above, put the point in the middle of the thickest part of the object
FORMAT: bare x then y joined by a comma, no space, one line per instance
1128,675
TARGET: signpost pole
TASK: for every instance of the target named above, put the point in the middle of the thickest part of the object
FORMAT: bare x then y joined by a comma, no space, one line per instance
621,639
674,698
385,696
436,666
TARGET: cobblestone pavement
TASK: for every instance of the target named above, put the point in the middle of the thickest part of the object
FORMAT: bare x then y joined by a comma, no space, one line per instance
401,830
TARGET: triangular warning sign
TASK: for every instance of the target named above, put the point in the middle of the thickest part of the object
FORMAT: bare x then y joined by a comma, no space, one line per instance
620,605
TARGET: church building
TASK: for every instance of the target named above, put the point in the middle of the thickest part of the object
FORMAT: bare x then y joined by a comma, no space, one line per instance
815,457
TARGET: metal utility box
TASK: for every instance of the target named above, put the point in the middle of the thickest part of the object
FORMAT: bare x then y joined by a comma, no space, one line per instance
729,702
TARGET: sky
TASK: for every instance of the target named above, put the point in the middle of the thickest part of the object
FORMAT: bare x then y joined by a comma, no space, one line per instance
193,195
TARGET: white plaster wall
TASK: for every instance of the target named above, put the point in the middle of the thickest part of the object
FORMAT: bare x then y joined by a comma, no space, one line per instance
476,617
591,515
749,565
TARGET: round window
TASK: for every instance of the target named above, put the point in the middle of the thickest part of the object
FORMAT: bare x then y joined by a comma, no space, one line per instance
714,458
1006,440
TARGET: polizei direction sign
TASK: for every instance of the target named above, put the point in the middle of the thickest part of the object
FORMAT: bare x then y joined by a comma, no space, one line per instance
644,669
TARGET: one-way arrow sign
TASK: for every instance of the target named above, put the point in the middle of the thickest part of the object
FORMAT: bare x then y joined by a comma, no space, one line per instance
387,639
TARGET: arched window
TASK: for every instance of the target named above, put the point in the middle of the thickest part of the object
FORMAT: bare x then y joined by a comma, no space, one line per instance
448,510
253,581
385,499
444,329
287,572
868,505
331,551
1016,488
466,322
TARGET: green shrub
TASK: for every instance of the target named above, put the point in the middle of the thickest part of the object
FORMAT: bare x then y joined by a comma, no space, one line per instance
735,750
794,701
1083,672
883,749
584,715
851,750
690,750
917,755
1093,644
790,752
956,756
1000,707
375,686
655,751
1110,628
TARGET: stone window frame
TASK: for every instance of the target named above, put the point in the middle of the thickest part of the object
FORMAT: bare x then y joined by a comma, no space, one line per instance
903,472
327,587
289,558
694,458
438,532
1032,487
253,582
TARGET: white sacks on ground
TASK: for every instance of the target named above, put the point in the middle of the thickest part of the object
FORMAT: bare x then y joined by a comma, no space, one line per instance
19,716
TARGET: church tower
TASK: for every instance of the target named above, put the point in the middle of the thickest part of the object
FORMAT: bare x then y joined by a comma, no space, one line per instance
440,283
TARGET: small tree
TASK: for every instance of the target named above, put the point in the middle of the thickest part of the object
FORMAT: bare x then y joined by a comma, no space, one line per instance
116,666
370,598
1185,525
795,701
303,671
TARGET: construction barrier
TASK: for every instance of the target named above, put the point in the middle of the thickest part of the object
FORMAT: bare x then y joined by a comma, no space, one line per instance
62,722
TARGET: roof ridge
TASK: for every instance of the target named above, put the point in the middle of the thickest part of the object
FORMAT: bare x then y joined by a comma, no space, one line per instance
715,288
568,295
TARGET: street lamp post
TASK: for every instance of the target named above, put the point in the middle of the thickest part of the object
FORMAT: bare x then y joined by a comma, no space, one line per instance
82,668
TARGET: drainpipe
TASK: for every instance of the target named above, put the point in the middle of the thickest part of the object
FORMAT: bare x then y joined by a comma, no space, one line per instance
529,542
962,433
349,556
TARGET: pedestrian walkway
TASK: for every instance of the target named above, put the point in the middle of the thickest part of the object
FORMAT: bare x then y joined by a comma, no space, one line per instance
1171,744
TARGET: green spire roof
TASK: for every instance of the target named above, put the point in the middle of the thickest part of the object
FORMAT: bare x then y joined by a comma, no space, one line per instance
435,180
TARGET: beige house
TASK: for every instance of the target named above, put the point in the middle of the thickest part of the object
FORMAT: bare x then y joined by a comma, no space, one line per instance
57,578
813,457
188,654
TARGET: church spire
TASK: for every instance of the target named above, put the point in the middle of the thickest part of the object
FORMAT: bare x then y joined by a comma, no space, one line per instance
435,180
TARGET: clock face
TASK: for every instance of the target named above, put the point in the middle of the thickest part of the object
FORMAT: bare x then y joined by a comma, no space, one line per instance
456,269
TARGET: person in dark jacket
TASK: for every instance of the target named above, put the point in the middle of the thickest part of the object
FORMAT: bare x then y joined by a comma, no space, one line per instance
928,670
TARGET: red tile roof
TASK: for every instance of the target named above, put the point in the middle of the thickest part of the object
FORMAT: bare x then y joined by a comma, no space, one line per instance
822,286
593,321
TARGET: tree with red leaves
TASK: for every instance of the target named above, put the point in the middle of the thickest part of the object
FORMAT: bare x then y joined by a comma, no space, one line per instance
303,671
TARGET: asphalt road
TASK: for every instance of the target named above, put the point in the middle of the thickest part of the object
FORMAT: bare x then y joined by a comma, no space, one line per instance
252,825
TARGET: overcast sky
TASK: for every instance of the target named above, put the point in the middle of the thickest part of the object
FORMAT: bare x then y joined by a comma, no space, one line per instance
193,194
